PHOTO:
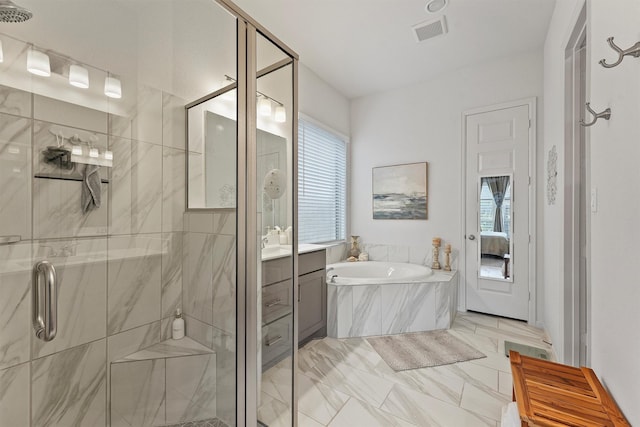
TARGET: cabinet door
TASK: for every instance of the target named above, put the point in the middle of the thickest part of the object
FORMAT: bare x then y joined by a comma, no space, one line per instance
312,304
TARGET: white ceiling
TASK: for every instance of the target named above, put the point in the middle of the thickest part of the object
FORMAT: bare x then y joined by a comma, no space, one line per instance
367,46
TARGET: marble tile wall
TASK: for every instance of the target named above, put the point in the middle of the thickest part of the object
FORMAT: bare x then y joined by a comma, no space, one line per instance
421,255
365,310
209,295
119,267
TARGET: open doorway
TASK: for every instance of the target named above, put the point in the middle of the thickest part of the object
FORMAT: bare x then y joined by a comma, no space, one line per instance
576,210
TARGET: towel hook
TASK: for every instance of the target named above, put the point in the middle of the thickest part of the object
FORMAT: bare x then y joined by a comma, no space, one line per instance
633,51
606,114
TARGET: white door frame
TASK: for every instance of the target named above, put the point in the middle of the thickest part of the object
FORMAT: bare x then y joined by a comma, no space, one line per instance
571,309
462,288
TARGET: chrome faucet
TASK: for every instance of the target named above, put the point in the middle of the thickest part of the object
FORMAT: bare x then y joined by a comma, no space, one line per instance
263,243
332,279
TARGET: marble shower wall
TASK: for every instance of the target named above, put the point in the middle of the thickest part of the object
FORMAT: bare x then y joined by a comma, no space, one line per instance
209,295
119,267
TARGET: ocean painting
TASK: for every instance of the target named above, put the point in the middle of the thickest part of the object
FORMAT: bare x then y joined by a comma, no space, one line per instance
400,192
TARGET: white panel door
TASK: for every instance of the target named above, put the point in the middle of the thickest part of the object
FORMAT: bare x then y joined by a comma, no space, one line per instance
497,212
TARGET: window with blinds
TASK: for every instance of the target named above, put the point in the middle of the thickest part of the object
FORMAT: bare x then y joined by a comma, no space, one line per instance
322,184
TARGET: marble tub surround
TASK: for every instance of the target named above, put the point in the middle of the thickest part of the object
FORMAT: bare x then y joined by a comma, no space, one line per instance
364,310
345,383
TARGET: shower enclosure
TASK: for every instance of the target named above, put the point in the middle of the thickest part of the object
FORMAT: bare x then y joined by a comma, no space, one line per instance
132,183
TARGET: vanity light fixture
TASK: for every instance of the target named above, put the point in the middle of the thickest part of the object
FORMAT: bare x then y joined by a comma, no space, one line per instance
38,63
281,114
435,6
264,106
78,76
112,87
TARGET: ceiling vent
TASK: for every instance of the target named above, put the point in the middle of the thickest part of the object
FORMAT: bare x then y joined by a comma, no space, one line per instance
430,29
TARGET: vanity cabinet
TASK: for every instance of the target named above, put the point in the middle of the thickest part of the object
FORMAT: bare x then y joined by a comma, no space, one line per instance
312,296
277,303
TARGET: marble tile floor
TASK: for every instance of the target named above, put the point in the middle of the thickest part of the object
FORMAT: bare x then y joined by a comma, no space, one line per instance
344,382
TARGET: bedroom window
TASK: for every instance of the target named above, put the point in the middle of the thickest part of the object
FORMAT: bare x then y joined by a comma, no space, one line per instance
322,183
488,209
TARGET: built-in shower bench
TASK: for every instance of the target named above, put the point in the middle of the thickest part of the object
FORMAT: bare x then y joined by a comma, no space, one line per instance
166,349
169,382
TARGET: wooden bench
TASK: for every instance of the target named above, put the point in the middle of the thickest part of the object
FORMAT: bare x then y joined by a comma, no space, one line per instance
552,394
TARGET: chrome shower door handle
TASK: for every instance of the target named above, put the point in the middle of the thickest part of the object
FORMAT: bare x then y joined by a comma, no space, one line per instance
44,292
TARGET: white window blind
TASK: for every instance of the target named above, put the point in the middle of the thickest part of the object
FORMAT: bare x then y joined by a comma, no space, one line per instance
322,184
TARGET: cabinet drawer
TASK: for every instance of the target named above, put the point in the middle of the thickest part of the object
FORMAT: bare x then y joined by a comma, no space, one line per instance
277,301
277,270
276,339
311,261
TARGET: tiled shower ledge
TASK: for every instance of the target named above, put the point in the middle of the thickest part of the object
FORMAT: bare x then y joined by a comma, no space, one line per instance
167,349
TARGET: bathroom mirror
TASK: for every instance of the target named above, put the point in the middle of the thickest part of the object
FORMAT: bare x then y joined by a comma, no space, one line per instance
212,163
496,246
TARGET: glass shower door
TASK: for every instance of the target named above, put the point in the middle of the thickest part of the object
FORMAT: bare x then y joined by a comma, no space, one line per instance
93,187
277,261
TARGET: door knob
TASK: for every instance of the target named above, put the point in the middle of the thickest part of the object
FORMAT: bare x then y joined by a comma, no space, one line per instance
472,237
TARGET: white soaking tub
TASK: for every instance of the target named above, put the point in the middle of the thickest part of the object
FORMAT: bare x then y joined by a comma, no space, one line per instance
382,298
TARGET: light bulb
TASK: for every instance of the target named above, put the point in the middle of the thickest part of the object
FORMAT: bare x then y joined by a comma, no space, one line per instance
78,76
112,87
38,63
76,150
281,114
108,155
93,152
264,106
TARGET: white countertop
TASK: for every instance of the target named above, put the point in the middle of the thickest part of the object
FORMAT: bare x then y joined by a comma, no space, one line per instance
281,251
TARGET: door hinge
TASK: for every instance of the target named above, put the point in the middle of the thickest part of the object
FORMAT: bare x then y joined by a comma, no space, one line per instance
529,295
529,238
529,123
529,181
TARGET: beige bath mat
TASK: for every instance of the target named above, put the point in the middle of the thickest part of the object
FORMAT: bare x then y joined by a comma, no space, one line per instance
422,349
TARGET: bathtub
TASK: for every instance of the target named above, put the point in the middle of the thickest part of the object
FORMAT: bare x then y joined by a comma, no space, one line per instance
376,272
383,298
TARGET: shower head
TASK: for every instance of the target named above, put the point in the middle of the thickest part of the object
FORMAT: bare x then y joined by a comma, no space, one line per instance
10,12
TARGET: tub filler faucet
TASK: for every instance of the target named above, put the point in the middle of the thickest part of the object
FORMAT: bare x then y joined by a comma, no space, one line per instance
332,278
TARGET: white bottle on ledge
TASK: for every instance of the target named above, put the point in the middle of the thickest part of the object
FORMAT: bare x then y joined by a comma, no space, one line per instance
177,328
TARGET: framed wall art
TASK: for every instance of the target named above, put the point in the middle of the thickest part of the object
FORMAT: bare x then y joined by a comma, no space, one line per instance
400,191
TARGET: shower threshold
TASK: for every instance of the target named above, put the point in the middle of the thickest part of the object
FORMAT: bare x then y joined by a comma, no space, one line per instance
212,422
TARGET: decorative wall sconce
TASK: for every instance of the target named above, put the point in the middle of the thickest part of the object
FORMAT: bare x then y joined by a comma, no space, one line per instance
112,87
78,76
38,63
264,103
